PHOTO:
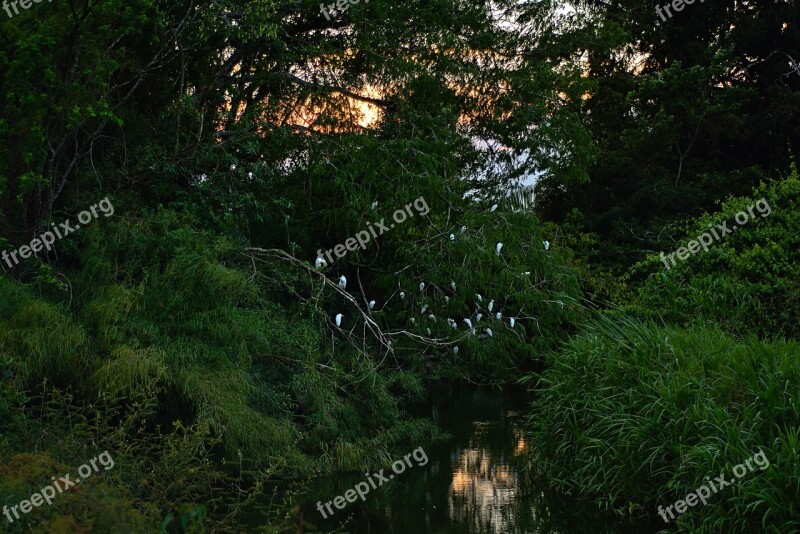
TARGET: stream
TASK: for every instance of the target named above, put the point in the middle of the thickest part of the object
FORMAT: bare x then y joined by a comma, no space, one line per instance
472,484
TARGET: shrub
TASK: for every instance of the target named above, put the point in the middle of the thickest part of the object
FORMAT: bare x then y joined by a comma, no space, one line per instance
748,281
154,474
156,305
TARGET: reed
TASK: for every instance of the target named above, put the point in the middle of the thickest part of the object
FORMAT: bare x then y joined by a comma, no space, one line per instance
631,414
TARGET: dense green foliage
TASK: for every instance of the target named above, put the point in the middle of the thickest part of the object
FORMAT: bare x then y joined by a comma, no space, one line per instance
192,334
696,120
223,135
635,415
748,281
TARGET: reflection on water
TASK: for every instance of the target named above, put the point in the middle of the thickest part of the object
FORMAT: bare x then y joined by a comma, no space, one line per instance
473,484
482,493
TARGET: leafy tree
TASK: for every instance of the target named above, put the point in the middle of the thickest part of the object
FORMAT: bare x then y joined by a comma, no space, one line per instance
680,110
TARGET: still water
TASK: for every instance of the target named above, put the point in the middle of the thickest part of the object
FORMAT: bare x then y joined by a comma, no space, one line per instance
475,483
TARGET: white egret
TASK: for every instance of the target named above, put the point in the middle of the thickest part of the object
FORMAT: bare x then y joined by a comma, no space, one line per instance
498,247
402,295
452,237
374,205
342,282
479,317
463,229
413,321
452,285
339,317
469,323
452,323
447,299
429,331
432,317
526,273
371,304
421,287
512,321
499,316
478,297
319,263
491,305
424,308
546,245
250,175
494,207
455,349
489,332
233,167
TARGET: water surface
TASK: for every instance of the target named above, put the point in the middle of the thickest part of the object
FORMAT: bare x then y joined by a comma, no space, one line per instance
475,483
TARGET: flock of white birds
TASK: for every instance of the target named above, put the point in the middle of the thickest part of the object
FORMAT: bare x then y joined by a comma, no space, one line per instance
320,263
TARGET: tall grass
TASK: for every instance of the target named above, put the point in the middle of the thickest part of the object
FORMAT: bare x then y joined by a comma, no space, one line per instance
631,415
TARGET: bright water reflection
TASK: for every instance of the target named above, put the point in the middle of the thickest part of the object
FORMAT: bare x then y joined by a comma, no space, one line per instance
483,492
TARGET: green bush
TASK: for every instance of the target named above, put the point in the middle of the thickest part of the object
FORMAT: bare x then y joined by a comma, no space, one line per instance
220,352
748,281
154,476
633,415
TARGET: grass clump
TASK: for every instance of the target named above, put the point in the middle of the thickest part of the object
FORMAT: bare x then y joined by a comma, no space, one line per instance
633,415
